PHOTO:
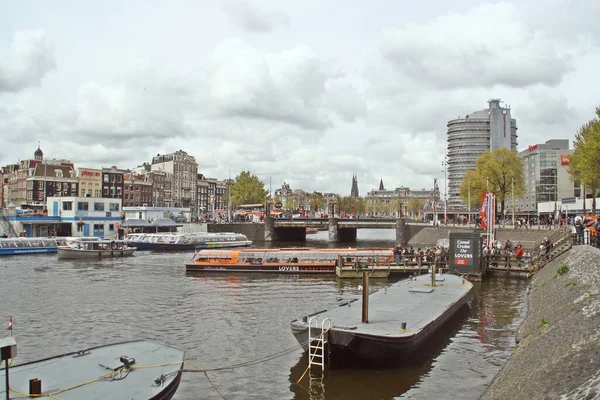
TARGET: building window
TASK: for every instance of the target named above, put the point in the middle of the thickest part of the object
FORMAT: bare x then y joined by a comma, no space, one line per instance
113,207
82,206
67,205
98,206
111,227
105,191
98,228
106,178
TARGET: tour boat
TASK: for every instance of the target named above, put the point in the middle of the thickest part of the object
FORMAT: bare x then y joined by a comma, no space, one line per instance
294,261
186,241
137,370
23,245
95,248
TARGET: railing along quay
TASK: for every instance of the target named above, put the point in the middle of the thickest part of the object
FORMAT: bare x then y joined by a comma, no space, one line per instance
353,267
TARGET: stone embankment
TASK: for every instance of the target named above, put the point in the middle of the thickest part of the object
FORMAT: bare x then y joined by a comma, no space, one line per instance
430,236
558,344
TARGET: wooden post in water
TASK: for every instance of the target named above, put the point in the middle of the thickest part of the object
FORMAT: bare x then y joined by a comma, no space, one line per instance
365,297
433,274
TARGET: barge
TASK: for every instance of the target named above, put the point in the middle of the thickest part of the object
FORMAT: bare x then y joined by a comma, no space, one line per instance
403,318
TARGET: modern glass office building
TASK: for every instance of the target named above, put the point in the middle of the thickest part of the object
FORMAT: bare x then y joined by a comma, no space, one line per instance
470,136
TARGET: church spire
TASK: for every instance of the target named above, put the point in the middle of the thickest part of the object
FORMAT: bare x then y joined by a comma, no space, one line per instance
381,184
354,189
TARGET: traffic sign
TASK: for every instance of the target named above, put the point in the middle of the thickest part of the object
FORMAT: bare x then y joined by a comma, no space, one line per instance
278,205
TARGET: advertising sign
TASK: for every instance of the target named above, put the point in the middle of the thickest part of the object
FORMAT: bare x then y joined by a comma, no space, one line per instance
463,251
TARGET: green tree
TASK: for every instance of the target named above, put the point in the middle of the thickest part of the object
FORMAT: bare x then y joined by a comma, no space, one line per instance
317,202
348,204
415,206
584,165
499,172
248,189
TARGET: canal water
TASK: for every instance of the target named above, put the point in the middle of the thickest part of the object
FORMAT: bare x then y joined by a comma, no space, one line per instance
243,322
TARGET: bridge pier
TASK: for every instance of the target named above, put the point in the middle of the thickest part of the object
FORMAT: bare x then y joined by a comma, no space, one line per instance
270,233
402,235
334,230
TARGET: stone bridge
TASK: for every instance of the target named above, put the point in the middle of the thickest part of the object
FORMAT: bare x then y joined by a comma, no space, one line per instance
340,230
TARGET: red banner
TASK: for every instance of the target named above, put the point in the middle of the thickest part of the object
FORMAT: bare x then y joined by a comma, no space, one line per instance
483,211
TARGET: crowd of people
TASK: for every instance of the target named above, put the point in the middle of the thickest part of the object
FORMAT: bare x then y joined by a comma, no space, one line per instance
426,255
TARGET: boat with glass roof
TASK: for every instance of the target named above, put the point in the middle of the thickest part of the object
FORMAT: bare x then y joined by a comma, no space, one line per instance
292,260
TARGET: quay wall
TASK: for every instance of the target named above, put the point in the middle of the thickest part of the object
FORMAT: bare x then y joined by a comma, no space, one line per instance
253,231
430,235
558,343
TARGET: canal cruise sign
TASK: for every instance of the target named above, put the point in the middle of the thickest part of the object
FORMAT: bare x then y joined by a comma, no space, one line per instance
465,252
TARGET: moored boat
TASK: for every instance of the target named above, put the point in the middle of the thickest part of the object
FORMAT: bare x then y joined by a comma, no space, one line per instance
23,245
95,248
293,261
186,241
139,370
402,318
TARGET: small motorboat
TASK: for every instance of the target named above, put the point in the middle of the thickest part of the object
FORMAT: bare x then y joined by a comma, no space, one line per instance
137,370
95,248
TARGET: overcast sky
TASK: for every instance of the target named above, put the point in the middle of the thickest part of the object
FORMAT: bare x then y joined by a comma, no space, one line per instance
306,92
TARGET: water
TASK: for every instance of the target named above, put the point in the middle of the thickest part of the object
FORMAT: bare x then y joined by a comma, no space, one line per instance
223,320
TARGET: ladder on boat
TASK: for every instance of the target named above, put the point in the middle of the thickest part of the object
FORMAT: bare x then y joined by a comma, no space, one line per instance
317,340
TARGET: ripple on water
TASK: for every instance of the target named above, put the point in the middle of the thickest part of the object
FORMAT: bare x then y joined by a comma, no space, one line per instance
225,320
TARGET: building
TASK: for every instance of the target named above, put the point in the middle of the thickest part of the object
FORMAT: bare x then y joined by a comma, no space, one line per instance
28,183
137,190
283,194
68,216
185,177
547,179
470,137
90,182
354,189
113,183
151,213
51,179
390,203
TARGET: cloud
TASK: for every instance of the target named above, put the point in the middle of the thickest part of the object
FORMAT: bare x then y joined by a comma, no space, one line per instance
25,61
251,18
489,45
286,87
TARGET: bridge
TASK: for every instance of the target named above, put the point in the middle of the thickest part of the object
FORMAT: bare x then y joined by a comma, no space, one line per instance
340,229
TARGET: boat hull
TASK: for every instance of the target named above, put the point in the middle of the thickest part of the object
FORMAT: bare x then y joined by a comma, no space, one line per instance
186,246
362,344
28,250
70,253
263,268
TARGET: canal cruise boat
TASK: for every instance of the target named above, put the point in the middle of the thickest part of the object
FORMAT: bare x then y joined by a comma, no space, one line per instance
283,261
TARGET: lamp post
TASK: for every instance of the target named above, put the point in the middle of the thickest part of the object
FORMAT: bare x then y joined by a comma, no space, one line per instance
469,200
445,166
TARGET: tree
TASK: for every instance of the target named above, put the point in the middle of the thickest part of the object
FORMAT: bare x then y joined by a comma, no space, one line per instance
317,202
349,204
584,163
499,171
248,189
415,206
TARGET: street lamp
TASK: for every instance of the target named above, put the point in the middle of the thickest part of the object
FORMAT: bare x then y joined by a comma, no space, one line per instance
445,166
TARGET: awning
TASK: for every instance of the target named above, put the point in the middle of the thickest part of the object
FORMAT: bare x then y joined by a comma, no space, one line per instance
164,223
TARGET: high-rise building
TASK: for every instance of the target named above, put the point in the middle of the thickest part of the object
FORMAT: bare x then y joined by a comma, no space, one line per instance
470,137
545,168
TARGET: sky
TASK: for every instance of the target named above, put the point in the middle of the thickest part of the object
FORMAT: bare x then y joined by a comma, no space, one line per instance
305,92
